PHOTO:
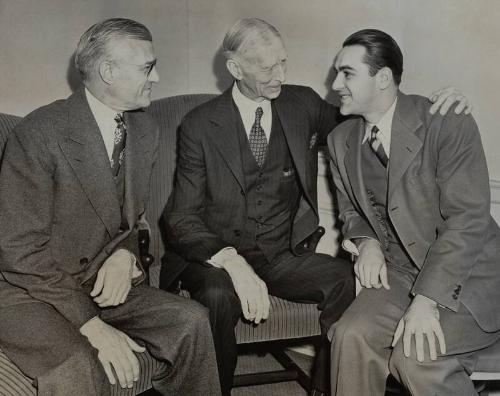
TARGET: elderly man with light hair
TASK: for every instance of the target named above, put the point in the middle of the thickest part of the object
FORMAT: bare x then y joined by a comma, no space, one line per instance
73,185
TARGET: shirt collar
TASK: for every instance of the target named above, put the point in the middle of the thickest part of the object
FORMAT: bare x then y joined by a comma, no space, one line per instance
384,126
105,118
247,107
104,115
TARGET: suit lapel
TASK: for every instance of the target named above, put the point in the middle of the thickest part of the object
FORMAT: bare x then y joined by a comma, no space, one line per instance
354,171
85,151
224,134
405,145
295,130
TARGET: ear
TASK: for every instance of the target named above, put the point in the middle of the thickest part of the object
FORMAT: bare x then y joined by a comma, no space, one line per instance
384,78
106,71
234,68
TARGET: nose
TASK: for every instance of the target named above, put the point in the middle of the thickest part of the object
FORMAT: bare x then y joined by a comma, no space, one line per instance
154,76
338,82
280,73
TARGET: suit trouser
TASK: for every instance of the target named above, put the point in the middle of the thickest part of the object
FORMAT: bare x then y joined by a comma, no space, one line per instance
49,349
312,278
362,357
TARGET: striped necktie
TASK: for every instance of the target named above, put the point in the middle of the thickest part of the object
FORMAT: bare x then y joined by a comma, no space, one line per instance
377,147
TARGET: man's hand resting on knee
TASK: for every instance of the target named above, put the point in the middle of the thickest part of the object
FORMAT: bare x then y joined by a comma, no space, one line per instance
421,319
251,290
115,349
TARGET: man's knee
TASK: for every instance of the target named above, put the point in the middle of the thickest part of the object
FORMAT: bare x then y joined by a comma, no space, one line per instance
406,368
351,332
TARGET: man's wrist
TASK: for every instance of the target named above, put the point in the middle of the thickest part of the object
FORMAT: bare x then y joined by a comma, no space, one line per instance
223,256
419,298
89,324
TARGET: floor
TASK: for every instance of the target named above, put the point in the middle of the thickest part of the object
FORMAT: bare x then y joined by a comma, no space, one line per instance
253,363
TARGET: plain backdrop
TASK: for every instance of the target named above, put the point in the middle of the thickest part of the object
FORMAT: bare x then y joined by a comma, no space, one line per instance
443,41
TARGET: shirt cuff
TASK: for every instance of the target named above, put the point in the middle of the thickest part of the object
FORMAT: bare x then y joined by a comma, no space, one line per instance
351,247
222,255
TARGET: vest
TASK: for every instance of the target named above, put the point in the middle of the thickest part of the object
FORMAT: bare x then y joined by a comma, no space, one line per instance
375,180
272,194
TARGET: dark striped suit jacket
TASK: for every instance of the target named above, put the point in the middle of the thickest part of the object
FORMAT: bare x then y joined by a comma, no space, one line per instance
208,202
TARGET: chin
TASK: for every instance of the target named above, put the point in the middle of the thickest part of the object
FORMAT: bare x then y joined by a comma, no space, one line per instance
344,110
274,94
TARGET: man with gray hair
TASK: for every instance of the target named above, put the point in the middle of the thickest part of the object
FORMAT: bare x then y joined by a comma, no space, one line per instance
73,186
244,203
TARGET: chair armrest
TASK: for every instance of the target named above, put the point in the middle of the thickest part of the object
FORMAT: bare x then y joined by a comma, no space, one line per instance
312,242
144,256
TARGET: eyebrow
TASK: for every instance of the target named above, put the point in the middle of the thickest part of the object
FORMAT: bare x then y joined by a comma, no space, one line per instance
345,67
151,63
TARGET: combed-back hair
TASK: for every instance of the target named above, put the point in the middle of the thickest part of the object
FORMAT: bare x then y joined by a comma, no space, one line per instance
244,33
381,51
93,45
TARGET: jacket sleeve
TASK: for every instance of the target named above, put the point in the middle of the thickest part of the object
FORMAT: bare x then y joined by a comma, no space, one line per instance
354,225
27,187
464,203
186,230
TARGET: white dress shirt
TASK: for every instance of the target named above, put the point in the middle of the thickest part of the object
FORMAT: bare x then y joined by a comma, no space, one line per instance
247,108
105,118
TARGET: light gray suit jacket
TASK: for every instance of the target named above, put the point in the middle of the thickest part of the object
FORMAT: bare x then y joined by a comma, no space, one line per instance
438,201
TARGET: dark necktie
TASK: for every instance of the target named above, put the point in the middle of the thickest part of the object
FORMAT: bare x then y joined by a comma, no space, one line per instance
377,147
257,139
119,147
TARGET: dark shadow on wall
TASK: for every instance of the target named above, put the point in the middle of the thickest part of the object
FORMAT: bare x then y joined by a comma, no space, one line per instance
224,78
72,75
331,96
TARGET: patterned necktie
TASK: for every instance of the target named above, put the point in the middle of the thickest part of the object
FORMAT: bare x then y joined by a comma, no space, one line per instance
257,139
119,147
377,147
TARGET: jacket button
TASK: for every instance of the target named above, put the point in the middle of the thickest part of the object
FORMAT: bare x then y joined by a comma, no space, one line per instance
237,233
455,297
242,192
84,261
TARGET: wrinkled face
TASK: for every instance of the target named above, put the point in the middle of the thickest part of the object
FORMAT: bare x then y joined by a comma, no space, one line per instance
356,88
134,72
263,69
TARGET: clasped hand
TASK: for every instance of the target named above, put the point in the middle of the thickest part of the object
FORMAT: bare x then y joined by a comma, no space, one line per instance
251,290
114,279
421,319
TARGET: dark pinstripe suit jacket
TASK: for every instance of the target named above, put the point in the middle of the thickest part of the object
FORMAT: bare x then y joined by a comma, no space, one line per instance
60,213
208,202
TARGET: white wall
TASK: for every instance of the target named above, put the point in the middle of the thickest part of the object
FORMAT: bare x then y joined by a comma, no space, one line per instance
444,42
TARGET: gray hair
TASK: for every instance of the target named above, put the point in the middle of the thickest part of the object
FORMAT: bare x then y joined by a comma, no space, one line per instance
92,46
244,33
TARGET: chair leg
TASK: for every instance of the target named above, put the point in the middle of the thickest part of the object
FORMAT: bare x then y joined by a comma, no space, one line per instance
291,371
301,376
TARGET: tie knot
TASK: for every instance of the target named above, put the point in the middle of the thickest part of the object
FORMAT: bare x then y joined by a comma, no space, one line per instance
119,118
373,134
258,113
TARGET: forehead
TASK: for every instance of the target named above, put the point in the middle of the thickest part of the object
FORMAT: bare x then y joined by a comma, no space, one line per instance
351,57
131,50
265,51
